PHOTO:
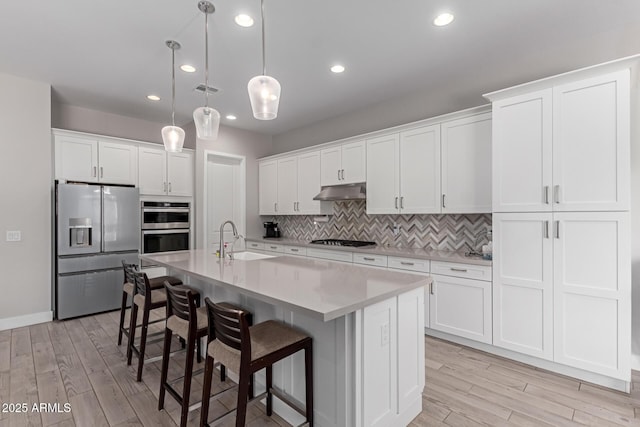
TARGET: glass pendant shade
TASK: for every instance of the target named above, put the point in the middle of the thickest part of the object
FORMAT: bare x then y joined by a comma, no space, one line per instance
173,138
264,94
207,121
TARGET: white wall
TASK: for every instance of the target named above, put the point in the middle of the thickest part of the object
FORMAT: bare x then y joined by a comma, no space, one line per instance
635,220
239,142
25,190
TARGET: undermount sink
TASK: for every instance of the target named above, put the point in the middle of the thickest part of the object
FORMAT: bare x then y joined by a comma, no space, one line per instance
250,256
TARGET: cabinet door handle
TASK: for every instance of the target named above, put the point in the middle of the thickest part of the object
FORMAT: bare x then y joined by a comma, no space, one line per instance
95,171
557,229
546,194
343,174
275,207
401,202
101,172
431,288
556,193
546,229
338,174
443,201
294,206
406,263
461,270
169,187
368,259
164,186
396,203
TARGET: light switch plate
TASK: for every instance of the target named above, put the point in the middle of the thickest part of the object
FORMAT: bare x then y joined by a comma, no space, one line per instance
14,236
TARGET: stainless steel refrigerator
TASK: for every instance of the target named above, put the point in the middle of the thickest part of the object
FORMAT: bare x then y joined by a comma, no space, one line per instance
96,228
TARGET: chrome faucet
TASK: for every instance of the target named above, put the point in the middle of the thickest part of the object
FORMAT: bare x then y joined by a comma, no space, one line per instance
236,236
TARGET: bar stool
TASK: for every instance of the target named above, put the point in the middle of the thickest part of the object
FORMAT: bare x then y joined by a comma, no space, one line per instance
147,299
246,350
190,323
127,291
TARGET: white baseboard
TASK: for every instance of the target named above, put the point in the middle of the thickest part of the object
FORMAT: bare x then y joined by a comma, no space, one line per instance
25,320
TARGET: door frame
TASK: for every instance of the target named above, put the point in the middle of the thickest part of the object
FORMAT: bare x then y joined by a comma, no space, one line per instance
242,163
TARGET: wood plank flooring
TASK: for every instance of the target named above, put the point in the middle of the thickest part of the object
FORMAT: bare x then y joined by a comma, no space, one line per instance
78,362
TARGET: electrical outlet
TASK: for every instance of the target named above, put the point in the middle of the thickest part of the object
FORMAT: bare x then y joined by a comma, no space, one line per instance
384,335
14,236
395,229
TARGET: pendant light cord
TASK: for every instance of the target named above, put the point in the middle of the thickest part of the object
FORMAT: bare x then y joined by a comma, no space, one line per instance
206,60
173,85
264,55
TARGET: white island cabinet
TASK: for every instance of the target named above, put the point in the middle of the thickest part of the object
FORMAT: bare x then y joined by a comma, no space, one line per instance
366,325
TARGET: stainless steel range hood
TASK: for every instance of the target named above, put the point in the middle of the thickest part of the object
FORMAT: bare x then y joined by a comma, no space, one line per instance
343,192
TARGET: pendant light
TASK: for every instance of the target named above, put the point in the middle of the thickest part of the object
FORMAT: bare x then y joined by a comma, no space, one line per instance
264,91
206,119
173,136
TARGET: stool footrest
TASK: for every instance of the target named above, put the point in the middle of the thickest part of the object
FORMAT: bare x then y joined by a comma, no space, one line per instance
227,414
286,399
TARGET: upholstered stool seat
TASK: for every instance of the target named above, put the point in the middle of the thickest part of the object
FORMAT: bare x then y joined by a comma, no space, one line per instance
158,296
231,339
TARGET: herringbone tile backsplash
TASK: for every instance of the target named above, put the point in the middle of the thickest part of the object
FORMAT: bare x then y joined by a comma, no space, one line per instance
350,221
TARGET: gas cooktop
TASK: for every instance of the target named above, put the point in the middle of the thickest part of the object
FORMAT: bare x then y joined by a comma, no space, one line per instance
341,242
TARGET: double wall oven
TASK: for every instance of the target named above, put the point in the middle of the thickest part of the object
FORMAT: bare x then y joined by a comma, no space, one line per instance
166,226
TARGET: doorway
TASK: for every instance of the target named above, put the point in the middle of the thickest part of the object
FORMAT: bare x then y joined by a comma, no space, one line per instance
225,197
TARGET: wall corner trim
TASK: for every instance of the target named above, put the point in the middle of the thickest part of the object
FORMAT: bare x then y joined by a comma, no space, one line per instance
25,320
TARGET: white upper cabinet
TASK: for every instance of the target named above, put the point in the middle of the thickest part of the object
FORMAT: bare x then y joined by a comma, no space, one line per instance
522,153
288,185
420,170
268,187
163,173
89,159
383,177
343,164
565,148
466,165
591,134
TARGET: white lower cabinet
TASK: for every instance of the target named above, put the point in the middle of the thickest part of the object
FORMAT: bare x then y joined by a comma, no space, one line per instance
563,288
461,307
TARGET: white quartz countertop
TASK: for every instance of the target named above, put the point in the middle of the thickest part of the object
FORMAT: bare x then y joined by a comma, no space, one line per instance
321,289
430,254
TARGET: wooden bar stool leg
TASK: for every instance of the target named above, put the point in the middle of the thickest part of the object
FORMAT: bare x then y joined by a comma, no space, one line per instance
243,392
123,308
166,350
206,389
308,373
269,370
143,343
132,331
186,388
199,349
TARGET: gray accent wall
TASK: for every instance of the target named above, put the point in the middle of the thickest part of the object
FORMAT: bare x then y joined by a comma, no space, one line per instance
25,186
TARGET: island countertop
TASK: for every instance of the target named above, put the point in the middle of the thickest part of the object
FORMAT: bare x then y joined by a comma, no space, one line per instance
321,289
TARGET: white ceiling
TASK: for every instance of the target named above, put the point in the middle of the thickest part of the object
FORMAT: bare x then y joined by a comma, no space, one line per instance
108,55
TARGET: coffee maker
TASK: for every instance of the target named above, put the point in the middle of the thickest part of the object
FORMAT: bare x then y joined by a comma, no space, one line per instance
271,229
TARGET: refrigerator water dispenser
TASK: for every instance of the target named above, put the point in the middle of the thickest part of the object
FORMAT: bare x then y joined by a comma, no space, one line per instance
80,232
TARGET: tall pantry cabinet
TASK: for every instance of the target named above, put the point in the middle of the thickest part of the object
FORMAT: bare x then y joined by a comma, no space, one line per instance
562,262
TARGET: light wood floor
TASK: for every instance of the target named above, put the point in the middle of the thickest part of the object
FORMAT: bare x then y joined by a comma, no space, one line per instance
78,362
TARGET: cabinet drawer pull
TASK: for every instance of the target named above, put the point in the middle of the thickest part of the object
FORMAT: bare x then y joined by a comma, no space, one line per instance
546,194
406,263
368,259
95,171
461,270
273,247
443,205
556,193
255,245
295,250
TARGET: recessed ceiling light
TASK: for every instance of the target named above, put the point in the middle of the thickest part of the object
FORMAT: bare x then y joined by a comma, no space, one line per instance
337,68
244,20
153,97
188,68
231,117
443,19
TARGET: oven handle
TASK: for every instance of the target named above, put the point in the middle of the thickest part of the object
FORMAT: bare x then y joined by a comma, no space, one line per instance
165,225
171,210
173,231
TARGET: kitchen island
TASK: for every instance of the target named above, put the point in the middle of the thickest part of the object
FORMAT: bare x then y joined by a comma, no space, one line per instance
366,323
